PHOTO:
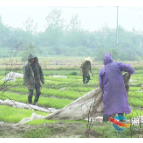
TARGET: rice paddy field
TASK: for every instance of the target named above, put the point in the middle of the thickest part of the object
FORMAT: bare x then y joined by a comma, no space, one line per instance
57,92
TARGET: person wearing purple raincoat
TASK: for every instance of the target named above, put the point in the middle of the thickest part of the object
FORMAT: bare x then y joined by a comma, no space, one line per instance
115,100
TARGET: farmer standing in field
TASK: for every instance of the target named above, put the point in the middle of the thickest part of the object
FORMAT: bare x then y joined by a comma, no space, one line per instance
85,68
33,74
115,100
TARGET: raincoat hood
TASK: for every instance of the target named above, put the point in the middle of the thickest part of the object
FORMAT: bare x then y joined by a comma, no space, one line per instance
31,57
107,59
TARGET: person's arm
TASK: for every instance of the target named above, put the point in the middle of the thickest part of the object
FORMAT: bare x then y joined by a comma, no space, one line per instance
126,68
101,76
90,69
91,72
41,75
81,71
81,68
26,76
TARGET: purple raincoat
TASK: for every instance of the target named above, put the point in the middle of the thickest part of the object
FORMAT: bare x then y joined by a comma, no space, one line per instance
112,84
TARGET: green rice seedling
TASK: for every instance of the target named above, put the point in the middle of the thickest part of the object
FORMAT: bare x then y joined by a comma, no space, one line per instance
138,78
137,84
73,73
71,79
52,92
134,88
59,72
41,121
80,77
43,101
137,75
62,82
74,77
19,80
18,89
48,82
14,115
54,85
54,102
1,77
4,72
13,96
68,86
135,94
134,113
136,102
1,82
60,79
81,89
138,68
11,83
62,93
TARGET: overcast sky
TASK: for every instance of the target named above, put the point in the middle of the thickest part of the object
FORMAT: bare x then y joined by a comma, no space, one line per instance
92,17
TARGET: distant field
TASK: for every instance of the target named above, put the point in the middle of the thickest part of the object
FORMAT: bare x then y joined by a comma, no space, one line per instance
59,63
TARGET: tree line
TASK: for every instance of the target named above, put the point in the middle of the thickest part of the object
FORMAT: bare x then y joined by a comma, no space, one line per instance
69,39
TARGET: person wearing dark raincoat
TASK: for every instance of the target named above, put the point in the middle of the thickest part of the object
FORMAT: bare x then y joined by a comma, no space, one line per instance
33,74
85,68
115,100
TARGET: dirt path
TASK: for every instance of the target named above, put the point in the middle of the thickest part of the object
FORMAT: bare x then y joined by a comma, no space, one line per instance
56,130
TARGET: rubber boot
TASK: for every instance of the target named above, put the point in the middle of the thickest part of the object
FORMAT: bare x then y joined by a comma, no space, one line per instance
30,99
105,118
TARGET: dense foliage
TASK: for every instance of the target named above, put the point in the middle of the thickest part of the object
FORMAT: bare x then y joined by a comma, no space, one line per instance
69,39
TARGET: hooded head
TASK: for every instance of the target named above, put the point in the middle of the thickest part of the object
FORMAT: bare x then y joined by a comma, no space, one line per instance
107,59
32,57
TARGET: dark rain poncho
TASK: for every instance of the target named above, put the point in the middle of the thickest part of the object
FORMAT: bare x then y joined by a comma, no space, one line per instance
111,82
32,77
